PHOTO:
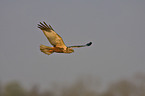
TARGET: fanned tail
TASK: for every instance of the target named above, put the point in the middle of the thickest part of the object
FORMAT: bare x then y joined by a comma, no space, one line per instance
46,49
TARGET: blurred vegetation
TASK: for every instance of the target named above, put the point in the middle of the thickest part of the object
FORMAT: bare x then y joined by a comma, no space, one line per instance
82,87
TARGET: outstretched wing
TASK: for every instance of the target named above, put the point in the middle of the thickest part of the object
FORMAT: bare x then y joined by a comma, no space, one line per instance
51,35
77,46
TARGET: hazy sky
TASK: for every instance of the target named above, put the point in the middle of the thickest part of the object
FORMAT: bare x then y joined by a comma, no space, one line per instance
116,28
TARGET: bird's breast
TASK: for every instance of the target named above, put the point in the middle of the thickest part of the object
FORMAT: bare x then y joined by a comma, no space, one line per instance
58,50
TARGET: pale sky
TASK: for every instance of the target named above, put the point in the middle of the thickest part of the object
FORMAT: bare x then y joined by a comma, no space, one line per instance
116,28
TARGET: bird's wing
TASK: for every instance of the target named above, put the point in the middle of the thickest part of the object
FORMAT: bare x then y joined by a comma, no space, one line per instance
77,46
51,35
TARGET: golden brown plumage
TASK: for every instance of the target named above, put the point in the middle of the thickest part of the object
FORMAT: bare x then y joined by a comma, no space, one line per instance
56,41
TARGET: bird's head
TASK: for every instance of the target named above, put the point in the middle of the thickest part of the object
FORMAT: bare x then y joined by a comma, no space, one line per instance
69,50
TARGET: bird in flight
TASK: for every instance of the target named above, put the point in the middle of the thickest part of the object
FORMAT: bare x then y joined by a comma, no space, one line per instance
56,41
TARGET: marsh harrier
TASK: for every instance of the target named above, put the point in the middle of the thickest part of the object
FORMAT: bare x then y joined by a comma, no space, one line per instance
56,41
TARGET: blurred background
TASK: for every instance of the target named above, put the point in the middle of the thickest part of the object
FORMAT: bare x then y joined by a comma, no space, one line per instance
112,66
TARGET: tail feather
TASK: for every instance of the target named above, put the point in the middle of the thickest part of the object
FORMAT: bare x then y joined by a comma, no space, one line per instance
46,49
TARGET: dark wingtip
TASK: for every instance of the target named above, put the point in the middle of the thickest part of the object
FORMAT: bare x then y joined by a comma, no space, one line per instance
88,44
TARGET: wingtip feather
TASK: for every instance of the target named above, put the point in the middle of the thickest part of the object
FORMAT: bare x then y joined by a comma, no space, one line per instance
88,44
43,26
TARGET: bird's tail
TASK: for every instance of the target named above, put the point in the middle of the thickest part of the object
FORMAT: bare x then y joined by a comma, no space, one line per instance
46,49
